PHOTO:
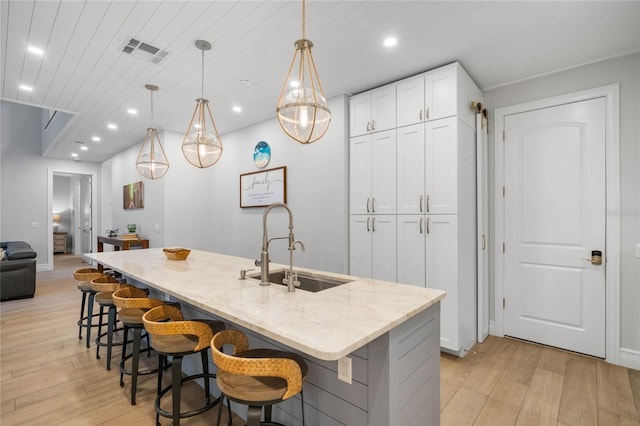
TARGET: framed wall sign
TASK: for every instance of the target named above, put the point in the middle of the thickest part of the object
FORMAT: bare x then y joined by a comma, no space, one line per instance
259,189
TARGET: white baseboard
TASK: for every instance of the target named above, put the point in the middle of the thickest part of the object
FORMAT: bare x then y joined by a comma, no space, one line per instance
44,267
629,358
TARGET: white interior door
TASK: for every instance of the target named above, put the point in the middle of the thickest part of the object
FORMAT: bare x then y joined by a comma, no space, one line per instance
555,216
482,130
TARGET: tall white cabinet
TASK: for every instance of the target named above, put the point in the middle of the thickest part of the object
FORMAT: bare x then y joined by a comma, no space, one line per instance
433,169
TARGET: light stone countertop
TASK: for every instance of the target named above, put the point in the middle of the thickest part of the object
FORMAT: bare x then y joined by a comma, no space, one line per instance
327,325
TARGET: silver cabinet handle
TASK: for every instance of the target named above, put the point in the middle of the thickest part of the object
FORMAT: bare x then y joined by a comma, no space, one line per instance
484,242
368,230
428,223
368,129
373,124
368,211
421,225
373,225
421,198
373,205
427,113
427,201
420,114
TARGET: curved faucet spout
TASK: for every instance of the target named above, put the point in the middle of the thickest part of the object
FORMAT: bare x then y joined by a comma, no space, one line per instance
264,255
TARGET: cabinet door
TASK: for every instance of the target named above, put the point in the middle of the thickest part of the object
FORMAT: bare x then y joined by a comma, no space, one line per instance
383,247
360,174
360,258
359,114
440,93
411,249
383,172
441,183
410,169
383,109
442,272
410,95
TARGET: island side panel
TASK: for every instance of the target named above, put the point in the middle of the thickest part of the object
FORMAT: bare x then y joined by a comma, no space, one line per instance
404,373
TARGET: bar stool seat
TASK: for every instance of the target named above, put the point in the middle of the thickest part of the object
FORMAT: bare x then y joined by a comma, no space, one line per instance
84,276
172,335
258,378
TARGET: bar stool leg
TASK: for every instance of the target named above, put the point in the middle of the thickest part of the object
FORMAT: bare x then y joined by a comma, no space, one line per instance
176,382
99,332
137,336
91,301
82,303
205,370
110,326
125,336
253,415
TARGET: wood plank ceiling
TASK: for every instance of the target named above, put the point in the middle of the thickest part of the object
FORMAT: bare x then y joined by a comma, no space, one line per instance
84,72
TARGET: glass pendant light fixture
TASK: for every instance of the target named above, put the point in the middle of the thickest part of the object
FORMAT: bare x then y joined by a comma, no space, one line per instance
303,111
152,162
202,146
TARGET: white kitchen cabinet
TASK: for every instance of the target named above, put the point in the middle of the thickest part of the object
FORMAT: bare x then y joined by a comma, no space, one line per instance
372,171
430,254
427,165
372,250
436,94
434,243
372,111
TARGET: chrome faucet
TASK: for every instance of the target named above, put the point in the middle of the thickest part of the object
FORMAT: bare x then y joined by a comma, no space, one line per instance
263,263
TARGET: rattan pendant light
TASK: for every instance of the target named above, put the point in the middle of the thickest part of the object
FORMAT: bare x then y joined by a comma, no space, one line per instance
152,162
202,146
303,111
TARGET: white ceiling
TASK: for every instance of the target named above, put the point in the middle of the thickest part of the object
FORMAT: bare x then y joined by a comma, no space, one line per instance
84,72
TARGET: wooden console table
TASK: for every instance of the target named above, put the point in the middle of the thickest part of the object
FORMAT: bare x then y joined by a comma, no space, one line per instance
120,244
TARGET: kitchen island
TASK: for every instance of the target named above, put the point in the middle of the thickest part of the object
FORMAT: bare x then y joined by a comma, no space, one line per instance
390,331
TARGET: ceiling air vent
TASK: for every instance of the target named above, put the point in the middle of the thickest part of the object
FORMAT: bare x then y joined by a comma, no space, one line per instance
144,51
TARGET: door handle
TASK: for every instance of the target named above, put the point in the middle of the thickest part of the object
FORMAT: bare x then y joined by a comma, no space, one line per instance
368,205
421,198
368,229
427,203
484,242
596,257
421,225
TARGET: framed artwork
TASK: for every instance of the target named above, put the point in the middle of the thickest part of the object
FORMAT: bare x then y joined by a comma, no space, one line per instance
259,189
133,196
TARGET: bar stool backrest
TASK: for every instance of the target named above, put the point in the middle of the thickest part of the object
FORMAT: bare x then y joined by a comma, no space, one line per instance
167,320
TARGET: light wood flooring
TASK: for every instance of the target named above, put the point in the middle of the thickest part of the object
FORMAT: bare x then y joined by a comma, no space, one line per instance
48,377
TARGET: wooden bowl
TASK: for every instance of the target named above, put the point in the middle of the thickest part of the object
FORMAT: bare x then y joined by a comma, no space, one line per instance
176,253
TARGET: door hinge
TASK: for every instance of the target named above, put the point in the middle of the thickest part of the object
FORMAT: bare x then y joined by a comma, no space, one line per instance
504,303
504,247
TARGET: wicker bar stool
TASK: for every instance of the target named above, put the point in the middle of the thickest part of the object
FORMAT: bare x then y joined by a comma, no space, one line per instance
133,303
105,286
172,335
84,276
256,377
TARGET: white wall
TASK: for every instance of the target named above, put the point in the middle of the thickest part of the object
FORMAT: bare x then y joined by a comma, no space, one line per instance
24,179
200,208
626,71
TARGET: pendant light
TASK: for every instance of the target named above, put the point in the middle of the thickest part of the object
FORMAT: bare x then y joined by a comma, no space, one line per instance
152,162
202,146
303,111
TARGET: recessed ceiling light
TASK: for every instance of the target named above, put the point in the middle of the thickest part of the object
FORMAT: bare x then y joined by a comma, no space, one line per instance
237,109
390,41
96,138
132,111
84,148
74,155
112,126
26,88
35,50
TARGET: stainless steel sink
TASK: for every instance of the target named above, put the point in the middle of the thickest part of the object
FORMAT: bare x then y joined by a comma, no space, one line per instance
308,281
